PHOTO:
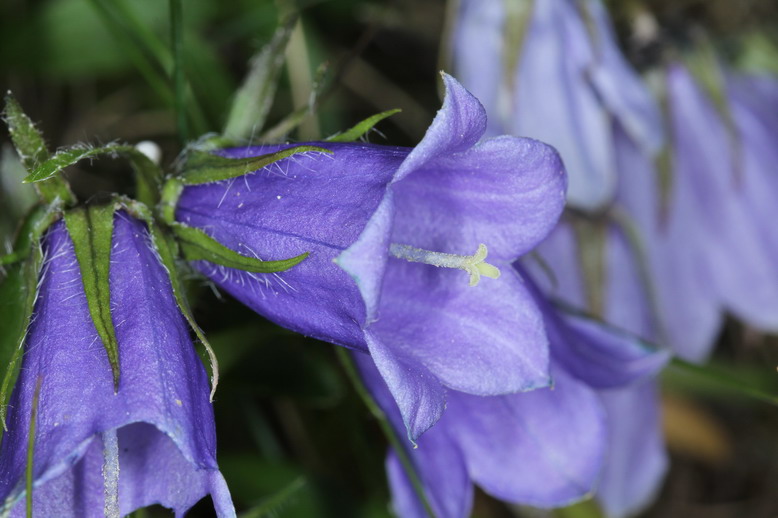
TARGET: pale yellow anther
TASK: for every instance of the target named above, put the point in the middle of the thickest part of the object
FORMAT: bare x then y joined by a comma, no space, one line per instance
474,264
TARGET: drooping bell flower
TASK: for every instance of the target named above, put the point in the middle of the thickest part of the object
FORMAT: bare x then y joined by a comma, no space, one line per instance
388,230
546,448
742,265
757,132
99,449
651,273
552,70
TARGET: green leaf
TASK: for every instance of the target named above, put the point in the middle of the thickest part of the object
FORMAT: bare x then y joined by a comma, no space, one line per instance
722,381
362,128
294,119
167,249
91,229
149,175
253,100
32,149
197,245
202,167
18,292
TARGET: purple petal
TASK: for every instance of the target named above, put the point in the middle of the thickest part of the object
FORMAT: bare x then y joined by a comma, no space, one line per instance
418,394
437,459
365,260
554,101
743,271
637,460
620,87
441,468
543,448
317,203
558,271
605,356
628,300
163,390
677,253
477,55
598,354
457,126
486,339
507,193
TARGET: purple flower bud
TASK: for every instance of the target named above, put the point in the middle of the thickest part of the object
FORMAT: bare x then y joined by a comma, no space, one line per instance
371,216
153,441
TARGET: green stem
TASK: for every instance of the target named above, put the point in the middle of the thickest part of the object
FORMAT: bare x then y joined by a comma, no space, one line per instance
386,427
179,84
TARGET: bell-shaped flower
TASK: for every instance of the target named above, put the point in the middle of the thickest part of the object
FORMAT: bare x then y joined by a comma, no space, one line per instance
545,448
98,451
388,230
742,263
646,270
552,70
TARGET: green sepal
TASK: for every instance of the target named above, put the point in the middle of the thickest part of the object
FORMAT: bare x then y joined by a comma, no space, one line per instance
196,245
148,178
252,102
167,249
203,167
18,292
91,229
148,173
32,149
362,128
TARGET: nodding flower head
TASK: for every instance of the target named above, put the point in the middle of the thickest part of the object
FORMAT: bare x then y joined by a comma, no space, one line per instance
99,450
386,228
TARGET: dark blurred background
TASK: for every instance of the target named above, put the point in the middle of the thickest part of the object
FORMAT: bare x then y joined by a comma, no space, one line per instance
294,439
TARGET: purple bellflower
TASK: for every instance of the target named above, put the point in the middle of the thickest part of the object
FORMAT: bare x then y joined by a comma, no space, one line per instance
98,452
387,229
552,70
725,181
545,448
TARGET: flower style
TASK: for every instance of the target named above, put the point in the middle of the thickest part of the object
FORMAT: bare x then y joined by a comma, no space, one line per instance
387,229
100,452
552,70
545,448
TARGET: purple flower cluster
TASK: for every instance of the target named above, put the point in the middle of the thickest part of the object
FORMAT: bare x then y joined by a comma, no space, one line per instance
672,235
518,379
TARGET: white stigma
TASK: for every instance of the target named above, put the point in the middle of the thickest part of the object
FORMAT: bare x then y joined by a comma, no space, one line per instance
472,264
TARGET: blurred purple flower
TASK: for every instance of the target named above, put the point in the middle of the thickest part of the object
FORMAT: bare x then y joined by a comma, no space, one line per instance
154,441
560,78
545,448
369,214
743,269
